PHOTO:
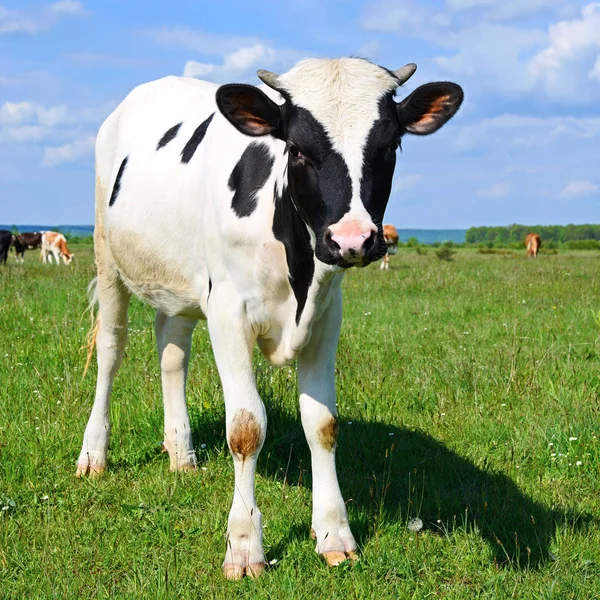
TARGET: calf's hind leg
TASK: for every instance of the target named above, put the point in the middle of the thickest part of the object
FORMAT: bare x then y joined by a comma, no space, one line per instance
113,299
174,341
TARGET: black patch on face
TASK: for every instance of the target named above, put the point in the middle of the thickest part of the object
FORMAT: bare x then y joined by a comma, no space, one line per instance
291,231
249,177
117,186
319,180
194,141
379,161
169,136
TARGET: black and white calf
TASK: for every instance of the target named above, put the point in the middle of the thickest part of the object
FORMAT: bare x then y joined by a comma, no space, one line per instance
266,194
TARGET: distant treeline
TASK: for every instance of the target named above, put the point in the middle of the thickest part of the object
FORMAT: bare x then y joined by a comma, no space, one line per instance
514,234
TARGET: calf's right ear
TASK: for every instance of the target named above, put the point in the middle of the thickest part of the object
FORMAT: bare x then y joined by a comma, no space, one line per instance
249,110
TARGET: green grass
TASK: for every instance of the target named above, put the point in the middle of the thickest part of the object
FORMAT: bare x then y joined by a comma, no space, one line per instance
468,396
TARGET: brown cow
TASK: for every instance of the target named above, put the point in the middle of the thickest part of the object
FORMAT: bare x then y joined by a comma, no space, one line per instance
390,235
533,242
55,244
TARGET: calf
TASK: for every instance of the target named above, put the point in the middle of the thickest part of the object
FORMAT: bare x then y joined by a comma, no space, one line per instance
533,242
266,196
55,244
26,241
5,242
390,235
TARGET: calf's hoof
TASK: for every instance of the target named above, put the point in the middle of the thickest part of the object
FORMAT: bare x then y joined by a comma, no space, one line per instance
235,572
335,558
90,470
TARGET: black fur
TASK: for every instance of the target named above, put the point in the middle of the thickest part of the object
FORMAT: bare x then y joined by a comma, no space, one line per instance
194,141
169,136
249,177
319,180
117,187
291,231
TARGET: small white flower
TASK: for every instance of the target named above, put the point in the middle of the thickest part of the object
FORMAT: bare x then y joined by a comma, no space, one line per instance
349,422
58,402
36,428
390,434
579,463
5,508
572,439
44,497
273,560
202,445
203,468
503,404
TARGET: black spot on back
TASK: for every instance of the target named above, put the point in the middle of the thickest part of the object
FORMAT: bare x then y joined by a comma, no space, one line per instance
117,186
168,136
291,231
194,141
248,178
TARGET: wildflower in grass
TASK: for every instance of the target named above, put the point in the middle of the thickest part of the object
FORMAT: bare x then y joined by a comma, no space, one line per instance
579,463
44,497
202,446
572,439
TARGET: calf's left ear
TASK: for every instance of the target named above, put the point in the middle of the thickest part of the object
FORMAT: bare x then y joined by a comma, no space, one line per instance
249,109
429,107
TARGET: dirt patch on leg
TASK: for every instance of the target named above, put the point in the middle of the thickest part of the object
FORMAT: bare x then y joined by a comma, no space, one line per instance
328,434
245,438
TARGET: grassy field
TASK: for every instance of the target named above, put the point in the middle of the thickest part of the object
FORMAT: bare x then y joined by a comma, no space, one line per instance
468,396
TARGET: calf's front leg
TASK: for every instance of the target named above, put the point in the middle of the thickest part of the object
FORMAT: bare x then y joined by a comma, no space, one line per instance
246,425
316,383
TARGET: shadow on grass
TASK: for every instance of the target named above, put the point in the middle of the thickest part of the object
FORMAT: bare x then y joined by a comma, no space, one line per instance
388,474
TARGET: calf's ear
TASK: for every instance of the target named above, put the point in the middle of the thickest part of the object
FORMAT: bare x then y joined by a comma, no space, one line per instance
249,110
429,107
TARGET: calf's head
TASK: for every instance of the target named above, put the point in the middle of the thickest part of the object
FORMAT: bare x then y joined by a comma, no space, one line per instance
341,127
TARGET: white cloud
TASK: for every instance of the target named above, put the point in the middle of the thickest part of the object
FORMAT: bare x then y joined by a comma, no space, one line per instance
570,59
13,21
524,132
31,22
13,114
497,190
68,153
243,63
405,182
575,189
67,7
499,45
196,69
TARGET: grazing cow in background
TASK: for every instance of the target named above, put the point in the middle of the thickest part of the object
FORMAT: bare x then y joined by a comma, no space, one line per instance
244,205
390,235
533,242
5,242
26,241
55,244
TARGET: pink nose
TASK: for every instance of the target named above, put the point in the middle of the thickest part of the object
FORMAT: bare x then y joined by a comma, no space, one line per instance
351,239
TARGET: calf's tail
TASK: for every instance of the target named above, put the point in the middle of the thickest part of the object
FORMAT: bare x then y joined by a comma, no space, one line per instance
95,322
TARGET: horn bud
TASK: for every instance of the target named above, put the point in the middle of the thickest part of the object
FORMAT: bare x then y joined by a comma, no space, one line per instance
270,78
405,73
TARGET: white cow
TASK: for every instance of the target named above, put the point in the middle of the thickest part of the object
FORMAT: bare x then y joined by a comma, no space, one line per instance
265,195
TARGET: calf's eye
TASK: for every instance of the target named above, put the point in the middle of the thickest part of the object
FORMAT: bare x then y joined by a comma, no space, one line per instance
294,152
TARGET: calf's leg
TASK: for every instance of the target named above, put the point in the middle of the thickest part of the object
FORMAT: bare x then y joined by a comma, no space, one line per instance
174,341
316,383
113,299
246,424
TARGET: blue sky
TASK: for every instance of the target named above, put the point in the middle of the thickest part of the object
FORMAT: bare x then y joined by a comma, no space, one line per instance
524,148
